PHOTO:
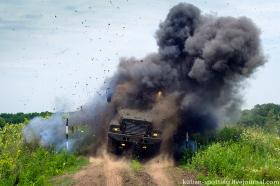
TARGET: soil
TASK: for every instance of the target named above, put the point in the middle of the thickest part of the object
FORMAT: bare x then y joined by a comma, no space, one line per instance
109,170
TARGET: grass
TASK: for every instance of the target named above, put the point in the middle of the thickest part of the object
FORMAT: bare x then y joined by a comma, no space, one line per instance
254,156
65,180
136,165
22,164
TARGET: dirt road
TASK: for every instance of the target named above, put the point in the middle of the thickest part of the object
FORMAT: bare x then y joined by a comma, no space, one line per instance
108,170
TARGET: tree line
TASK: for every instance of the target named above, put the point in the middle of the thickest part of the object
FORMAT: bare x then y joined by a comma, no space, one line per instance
20,117
264,115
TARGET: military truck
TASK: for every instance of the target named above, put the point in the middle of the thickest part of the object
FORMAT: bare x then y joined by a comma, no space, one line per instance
133,129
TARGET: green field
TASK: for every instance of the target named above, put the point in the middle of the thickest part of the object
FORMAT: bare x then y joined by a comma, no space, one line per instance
248,149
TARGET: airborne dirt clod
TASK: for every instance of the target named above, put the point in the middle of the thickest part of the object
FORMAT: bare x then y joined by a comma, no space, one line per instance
192,84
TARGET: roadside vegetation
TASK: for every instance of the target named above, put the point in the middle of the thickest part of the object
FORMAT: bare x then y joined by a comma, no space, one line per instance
22,164
246,150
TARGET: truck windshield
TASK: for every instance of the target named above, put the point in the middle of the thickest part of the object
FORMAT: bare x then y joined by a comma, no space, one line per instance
132,126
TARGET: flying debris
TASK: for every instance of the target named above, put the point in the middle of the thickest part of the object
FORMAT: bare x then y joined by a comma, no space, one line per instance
200,65
188,86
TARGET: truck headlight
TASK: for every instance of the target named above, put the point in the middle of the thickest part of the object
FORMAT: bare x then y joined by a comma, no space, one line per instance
155,134
115,129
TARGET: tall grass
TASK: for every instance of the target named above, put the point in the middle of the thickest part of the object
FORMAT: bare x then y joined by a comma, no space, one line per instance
254,156
21,164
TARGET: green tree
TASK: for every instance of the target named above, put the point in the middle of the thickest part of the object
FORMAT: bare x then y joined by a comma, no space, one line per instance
20,117
2,122
265,115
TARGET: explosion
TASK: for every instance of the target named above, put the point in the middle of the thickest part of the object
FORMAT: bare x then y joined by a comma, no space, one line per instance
190,85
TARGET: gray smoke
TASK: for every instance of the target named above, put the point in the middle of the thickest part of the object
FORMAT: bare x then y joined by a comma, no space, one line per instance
201,63
86,129
46,132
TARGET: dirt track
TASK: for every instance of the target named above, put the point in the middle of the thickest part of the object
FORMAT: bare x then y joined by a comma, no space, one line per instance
107,170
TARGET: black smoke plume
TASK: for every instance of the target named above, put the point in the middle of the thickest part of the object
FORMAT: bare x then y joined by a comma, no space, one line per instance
200,66
193,82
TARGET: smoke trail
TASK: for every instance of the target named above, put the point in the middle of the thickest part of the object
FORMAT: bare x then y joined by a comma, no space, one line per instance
201,64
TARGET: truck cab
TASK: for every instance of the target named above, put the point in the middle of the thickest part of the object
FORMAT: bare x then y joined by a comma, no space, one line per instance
132,129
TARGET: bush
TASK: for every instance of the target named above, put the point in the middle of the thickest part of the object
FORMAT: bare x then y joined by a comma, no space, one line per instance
22,165
254,157
225,134
228,134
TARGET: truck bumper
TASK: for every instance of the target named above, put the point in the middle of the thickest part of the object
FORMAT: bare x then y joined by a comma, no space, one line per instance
134,139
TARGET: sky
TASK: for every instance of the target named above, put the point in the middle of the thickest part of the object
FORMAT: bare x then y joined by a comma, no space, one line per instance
56,55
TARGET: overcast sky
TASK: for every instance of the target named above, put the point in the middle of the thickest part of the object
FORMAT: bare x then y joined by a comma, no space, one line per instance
57,54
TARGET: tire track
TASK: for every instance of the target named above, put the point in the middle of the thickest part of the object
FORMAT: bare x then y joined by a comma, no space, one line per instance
157,169
108,170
